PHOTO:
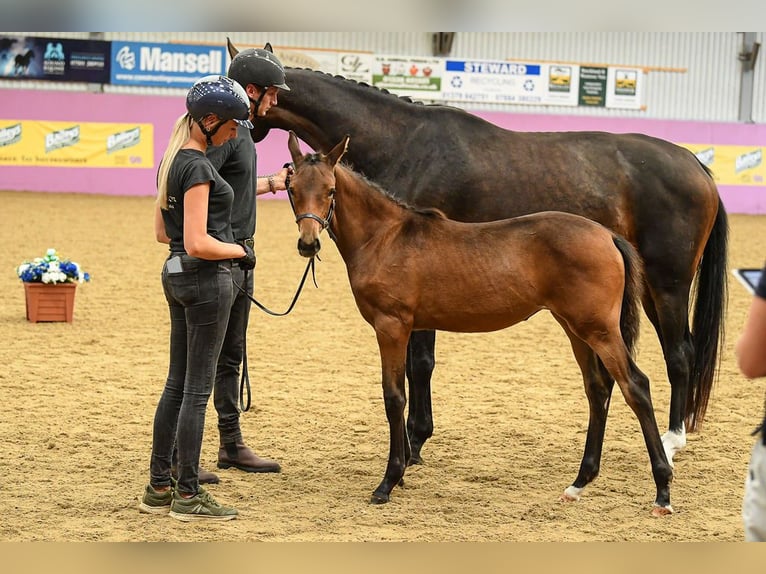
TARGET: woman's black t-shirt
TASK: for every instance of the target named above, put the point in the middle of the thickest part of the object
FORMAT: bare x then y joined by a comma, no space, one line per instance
191,167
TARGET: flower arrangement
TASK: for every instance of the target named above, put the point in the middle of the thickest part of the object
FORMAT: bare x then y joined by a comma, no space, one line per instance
51,269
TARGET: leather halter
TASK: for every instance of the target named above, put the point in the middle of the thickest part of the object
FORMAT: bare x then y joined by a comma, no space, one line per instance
323,221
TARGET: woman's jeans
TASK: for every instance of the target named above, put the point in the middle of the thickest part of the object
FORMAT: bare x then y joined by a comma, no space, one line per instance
199,297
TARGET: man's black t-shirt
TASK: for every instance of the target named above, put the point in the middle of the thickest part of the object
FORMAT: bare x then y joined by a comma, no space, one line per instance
235,160
190,168
760,291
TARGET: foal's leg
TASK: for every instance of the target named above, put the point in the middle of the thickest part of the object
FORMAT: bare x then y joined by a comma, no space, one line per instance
598,388
392,340
420,367
671,322
635,388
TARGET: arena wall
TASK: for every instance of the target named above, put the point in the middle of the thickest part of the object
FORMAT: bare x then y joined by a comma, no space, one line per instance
161,112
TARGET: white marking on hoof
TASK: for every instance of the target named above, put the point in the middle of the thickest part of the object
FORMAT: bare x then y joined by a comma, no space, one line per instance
674,442
662,510
571,494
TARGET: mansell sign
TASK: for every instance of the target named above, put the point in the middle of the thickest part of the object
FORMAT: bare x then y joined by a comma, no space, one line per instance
166,65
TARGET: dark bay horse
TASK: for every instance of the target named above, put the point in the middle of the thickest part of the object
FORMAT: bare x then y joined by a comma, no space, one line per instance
652,192
415,269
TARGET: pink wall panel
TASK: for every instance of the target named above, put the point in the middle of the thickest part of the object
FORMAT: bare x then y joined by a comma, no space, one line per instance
161,111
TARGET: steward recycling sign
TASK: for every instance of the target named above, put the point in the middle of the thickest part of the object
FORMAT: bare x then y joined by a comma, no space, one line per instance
165,65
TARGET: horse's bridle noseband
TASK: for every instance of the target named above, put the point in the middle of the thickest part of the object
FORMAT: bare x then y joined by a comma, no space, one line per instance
323,221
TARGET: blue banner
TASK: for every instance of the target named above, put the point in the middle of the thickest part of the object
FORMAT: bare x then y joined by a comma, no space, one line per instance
166,65
60,59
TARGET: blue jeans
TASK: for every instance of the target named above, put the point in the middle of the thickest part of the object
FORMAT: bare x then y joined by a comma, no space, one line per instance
199,298
226,395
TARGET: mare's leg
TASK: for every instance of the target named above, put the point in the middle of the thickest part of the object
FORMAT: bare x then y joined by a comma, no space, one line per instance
670,320
635,388
598,388
420,366
392,340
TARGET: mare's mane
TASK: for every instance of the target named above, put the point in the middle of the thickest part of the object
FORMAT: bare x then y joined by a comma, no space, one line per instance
316,158
407,99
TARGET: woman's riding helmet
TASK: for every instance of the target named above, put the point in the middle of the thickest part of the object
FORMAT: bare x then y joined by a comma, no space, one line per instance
258,66
221,96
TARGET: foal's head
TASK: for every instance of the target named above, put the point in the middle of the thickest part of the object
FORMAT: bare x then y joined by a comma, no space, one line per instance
312,192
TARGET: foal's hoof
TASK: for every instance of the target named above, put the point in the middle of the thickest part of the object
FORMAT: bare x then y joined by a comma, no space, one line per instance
379,498
415,459
662,510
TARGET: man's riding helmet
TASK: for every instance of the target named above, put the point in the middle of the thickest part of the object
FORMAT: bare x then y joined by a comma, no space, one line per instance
258,66
221,96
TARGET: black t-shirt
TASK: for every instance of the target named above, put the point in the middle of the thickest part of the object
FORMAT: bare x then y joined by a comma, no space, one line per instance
236,162
190,168
760,291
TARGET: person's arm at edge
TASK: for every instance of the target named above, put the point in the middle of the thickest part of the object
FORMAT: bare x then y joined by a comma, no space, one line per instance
751,346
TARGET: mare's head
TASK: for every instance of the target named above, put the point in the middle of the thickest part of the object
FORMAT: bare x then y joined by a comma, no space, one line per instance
312,192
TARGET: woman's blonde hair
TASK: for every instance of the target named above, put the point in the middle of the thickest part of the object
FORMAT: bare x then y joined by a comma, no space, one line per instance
180,135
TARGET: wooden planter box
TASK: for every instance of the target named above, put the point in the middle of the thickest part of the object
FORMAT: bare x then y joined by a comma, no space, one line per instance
50,302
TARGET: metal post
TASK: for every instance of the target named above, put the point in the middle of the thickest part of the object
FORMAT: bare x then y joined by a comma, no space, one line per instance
748,56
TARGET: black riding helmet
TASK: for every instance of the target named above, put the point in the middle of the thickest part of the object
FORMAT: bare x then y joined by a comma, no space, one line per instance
258,66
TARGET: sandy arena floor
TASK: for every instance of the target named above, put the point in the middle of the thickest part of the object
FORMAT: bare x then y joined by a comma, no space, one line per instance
510,411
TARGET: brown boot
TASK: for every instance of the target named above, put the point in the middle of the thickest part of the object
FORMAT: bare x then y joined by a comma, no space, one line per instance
240,456
203,476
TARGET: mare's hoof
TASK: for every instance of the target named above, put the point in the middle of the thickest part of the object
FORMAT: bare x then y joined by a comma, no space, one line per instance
401,482
571,494
379,498
415,459
662,510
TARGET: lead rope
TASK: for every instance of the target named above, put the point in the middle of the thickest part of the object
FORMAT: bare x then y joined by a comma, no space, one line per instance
244,383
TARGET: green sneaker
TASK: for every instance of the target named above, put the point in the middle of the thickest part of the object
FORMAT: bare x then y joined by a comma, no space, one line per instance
156,502
202,506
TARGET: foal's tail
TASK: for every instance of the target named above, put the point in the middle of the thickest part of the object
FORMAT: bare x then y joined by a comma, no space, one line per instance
630,318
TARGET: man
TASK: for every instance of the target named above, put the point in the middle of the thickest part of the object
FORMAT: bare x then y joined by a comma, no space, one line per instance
262,75
751,359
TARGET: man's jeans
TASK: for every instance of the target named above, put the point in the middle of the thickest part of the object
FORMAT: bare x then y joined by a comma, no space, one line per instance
226,395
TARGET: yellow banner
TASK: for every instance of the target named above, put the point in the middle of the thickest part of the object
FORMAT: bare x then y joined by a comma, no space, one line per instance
732,164
76,144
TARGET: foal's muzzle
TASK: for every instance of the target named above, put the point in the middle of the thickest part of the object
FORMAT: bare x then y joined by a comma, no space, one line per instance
309,249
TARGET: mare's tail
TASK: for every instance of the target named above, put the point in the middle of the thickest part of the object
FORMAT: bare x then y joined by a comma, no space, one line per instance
630,318
711,293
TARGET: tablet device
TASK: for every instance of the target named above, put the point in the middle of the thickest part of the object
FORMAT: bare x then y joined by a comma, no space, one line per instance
748,277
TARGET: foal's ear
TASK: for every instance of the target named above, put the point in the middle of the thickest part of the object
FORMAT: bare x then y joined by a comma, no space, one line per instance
294,147
232,50
337,152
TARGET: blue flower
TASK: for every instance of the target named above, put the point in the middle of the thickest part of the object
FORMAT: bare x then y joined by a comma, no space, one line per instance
51,269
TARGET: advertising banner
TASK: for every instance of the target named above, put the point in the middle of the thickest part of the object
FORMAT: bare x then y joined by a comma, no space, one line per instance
165,65
732,165
76,144
510,82
419,78
59,59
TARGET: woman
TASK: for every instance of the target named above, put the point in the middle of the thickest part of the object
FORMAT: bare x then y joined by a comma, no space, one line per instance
193,215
